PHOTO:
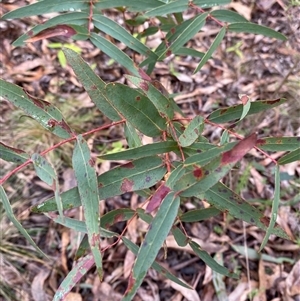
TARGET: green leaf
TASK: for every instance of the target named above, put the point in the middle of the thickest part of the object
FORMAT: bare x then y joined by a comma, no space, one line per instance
132,176
46,7
175,175
224,199
78,18
188,32
12,154
16,223
157,267
278,143
114,52
42,111
227,16
131,135
256,29
114,216
184,51
210,261
88,190
158,231
215,44
274,211
118,32
290,157
169,8
46,173
198,215
157,97
208,3
138,109
132,5
180,238
142,151
192,131
79,270
94,86
246,108
234,113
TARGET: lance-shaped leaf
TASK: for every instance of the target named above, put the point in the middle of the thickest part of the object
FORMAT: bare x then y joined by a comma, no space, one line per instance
277,144
188,32
133,176
114,52
274,210
181,239
198,215
131,135
46,173
158,231
235,112
227,16
169,8
192,131
12,154
46,7
224,199
8,210
159,98
201,178
157,267
94,86
256,29
210,261
74,18
132,5
138,109
143,151
88,190
42,111
118,32
215,44
79,270
290,157
114,216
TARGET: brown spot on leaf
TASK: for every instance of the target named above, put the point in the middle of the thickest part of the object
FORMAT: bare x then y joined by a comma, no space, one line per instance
95,241
239,150
52,123
261,141
271,102
197,172
173,29
127,185
144,86
93,87
138,98
92,162
128,165
168,53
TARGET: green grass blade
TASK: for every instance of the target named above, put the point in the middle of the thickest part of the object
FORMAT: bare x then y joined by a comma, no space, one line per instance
12,154
42,111
210,261
114,52
256,29
290,157
12,218
158,231
88,190
143,151
215,44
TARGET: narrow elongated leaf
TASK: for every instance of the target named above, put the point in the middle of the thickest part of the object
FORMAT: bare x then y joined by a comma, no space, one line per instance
114,216
198,215
46,7
42,111
157,267
215,44
290,157
79,270
227,16
132,5
118,32
210,261
133,176
184,51
157,198
256,29
207,3
181,239
278,143
192,131
224,199
93,85
158,98
274,210
88,190
158,231
131,135
78,18
176,6
138,109
12,218
114,52
188,32
12,154
234,113
142,151
46,173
